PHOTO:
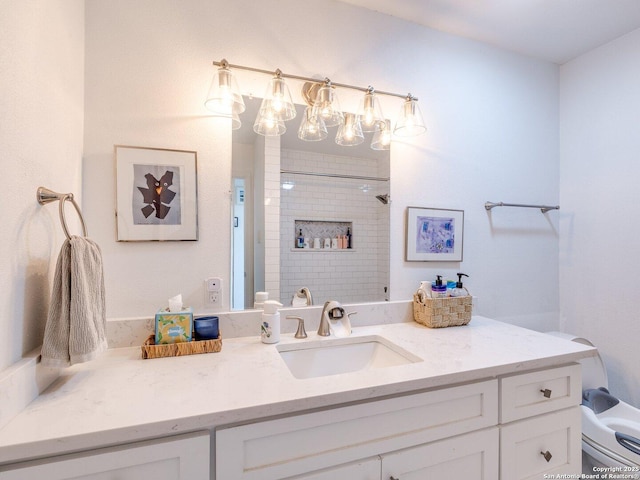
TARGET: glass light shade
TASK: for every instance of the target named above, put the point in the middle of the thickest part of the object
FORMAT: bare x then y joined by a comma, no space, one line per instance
235,121
278,100
370,112
268,124
312,127
224,96
327,106
382,138
350,133
410,122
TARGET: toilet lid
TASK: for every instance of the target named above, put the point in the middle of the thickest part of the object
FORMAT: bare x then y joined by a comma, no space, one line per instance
594,373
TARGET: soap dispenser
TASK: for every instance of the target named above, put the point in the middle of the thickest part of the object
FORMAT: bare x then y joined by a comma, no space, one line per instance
438,288
460,290
270,326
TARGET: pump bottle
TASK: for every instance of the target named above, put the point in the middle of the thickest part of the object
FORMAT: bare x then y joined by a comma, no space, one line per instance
270,326
438,288
460,290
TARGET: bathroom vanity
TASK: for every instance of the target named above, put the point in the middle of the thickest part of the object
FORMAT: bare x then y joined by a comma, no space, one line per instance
488,400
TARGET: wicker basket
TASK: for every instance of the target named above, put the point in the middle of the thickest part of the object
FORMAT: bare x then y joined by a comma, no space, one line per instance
442,312
151,350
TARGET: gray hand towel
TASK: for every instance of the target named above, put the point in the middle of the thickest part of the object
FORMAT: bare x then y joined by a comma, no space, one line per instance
76,324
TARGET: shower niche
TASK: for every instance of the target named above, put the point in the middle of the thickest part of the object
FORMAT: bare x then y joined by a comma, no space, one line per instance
325,235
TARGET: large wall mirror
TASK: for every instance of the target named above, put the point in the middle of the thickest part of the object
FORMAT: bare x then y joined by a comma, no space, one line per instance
284,188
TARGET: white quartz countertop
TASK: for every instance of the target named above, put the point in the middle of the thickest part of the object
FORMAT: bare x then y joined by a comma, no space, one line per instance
121,398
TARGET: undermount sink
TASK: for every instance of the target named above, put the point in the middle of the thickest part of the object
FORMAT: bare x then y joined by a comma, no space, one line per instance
343,355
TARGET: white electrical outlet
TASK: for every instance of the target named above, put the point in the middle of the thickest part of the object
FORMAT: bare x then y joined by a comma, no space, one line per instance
213,291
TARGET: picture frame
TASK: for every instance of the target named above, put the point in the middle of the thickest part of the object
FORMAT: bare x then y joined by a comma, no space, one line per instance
434,235
156,194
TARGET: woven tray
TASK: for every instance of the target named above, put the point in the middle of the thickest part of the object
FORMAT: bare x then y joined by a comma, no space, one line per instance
442,312
151,350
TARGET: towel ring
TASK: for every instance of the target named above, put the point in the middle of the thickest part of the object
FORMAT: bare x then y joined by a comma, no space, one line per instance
44,196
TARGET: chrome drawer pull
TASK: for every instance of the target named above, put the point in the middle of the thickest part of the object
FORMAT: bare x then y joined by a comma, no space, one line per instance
547,455
546,392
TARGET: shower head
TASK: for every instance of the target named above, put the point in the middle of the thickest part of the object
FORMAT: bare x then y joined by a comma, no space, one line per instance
384,199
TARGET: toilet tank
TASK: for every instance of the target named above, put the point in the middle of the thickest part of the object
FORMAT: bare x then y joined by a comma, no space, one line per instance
594,373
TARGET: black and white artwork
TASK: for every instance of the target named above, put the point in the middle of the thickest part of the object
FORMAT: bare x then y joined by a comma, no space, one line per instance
156,194
156,199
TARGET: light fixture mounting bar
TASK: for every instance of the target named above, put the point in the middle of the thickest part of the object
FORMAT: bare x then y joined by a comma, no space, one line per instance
226,64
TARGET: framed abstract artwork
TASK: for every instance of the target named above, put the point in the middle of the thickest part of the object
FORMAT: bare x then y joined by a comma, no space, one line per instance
156,194
434,235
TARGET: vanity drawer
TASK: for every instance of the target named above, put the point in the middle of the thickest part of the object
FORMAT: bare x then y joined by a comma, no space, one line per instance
523,446
538,392
284,447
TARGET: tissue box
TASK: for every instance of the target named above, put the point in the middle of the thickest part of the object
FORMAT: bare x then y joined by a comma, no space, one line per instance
174,327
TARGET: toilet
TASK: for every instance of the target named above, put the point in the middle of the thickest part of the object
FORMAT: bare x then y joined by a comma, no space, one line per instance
610,427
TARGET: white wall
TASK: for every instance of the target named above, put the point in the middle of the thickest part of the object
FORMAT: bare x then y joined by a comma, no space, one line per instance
148,67
493,135
41,113
599,248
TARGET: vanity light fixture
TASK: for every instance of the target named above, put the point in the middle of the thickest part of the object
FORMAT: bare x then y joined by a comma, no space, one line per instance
312,128
269,124
277,99
224,97
277,107
410,122
327,106
350,133
382,137
370,113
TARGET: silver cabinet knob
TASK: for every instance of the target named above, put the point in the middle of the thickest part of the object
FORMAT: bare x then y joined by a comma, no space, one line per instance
547,455
546,392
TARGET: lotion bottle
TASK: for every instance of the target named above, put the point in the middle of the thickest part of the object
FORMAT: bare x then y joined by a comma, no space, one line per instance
270,326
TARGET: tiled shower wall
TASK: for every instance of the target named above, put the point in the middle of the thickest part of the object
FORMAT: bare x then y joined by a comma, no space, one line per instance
360,274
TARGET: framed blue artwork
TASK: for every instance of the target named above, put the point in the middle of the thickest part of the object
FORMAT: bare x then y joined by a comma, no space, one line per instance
434,235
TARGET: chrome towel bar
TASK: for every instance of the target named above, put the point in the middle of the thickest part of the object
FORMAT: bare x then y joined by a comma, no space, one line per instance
543,208
44,196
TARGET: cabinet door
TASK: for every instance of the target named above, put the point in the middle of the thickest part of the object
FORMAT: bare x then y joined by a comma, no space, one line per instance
473,456
177,458
364,470
284,447
543,446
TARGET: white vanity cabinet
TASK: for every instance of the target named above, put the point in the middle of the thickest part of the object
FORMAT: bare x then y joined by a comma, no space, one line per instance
540,417
473,456
516,427
306,446
184,457
368,469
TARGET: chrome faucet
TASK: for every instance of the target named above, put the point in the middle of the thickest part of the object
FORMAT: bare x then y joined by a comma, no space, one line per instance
333,312
305,293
